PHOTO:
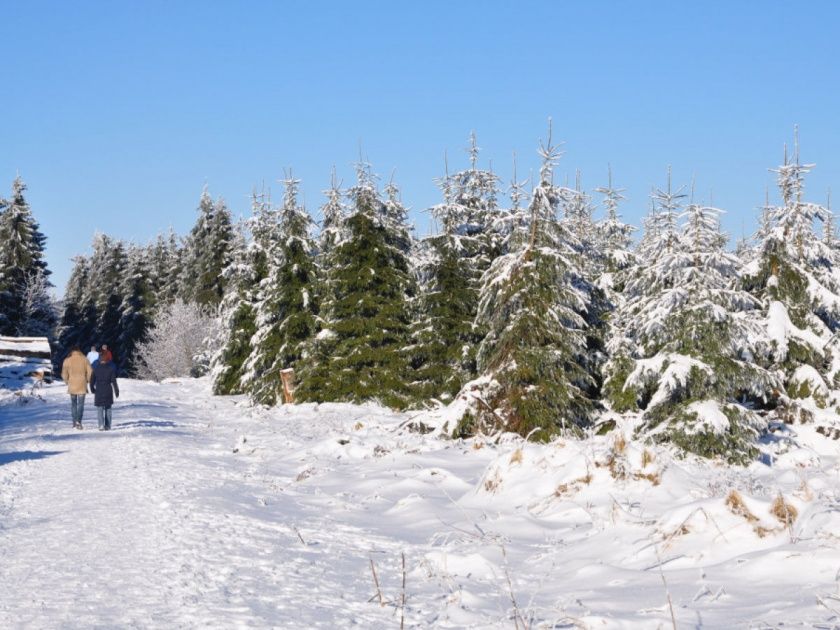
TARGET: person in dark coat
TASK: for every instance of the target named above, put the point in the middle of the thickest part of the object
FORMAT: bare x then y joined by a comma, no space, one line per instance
103,384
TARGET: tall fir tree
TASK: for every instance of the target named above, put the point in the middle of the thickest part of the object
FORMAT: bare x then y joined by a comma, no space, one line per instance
532,361
135,309
207,253
798,285
237,311
77,325
164,261
24,299
450,266
286,311
360,353
107,270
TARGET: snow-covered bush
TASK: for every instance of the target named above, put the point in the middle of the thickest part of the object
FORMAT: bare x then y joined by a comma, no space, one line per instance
180,342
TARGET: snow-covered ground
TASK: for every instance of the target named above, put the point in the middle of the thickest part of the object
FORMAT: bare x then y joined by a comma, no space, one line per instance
198,511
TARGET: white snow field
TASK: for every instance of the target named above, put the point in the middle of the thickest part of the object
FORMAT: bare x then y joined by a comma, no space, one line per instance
205,512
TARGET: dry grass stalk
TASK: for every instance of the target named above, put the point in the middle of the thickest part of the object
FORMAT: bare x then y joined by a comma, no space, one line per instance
804,491
358,426
376,582
667,592
516,458
647,458
300,538
402,598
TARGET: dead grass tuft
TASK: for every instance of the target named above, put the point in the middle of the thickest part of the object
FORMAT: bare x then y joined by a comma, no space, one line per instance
619,444
491,484
647,458
784,512
735,502
568,488
516,458
653,478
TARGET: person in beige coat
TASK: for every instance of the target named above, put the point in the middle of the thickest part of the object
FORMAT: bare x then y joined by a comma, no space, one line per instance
76,371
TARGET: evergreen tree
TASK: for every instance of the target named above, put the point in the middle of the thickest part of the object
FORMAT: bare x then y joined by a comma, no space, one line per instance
533,378
360,354
332,223
615,236
237,314
286,311
685,347
164,269
446,334
24,299
795,280
137,297
207,253
107,270
77,325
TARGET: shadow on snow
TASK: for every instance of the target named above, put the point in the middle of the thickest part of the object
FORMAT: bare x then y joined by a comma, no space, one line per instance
22,456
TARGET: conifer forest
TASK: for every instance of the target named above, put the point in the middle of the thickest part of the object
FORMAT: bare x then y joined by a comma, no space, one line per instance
531,305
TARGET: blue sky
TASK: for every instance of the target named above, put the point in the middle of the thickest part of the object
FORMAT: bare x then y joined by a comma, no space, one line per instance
117,113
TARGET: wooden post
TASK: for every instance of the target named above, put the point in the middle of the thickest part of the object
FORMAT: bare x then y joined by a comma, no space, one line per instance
288,378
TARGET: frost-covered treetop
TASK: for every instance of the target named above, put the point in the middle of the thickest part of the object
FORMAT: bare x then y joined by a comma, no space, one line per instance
616,236
792,223
667,205
470,197
291,189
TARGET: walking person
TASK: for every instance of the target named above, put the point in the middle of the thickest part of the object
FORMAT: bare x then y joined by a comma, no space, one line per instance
93,356
76,372
104,386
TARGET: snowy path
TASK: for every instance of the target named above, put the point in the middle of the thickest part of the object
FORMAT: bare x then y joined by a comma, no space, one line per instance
202,512
150,525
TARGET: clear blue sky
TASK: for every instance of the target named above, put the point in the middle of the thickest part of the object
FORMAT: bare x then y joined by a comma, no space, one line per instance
117,113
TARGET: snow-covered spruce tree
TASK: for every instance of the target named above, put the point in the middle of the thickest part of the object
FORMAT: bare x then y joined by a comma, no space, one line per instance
590,260
797,283
237,314
207,253
333,232
450,265
615,238
77,325
135,309
24,298
286,310
685,346
577,216
244,279
164,268
360,353
106,273
531,361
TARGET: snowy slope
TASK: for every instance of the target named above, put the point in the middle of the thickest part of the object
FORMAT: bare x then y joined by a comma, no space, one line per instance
198,511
